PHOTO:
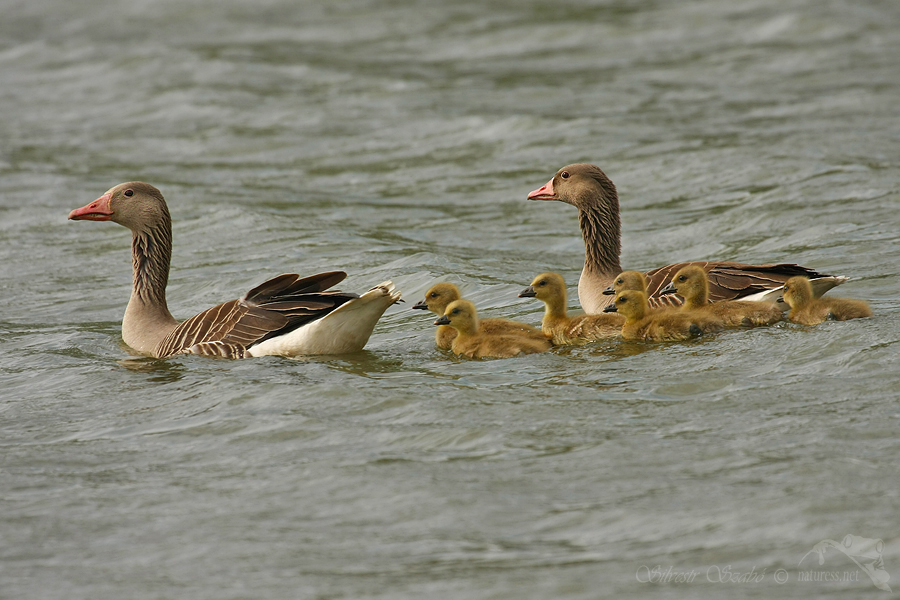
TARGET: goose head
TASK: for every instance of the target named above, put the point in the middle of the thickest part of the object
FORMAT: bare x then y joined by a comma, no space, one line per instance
797,291
438,297
582,185
627,280
137,205
461,315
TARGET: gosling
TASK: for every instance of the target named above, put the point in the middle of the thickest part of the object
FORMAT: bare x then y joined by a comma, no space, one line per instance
439,297
627,280
809,310
635,280
663,326
472,341
692,284
550,288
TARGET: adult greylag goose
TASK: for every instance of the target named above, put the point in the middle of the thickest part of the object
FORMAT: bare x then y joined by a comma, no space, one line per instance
658,326
439,297
288,315
472,341
550,288
587,188
691,284
809,310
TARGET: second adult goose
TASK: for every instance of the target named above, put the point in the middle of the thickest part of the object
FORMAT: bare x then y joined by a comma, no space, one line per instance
439,297
691,284
474,342
550,288
587,188
288,315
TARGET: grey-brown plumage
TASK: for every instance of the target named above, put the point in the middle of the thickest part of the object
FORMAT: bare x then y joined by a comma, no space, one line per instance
588,188
274,308
808,310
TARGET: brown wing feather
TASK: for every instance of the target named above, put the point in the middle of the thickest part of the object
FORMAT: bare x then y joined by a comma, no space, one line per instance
727,280
273,308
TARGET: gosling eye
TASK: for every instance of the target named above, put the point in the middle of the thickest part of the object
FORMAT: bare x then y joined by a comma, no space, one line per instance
542,282
455,311
620,281
564,174
129,193
433,295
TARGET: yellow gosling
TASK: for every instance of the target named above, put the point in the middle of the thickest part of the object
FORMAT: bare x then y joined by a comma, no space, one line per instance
635,280
439,297
550,288
662,326
692,284
472,341
806,309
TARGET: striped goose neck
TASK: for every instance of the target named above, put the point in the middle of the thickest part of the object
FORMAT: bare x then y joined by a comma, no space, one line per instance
151,254
601,229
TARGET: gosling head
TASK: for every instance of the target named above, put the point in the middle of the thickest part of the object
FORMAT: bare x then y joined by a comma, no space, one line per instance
688,282
627,280
631,304
461,315
546,287
797,291
438,297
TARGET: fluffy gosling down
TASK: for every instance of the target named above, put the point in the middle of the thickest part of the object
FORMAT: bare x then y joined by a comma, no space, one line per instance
550,288
472,341
658,326
439,297
806,309
691,283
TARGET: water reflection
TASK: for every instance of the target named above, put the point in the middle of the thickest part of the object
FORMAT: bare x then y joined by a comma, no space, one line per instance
161,371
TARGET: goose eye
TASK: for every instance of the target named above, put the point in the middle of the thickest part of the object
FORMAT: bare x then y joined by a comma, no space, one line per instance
129,193
564,174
